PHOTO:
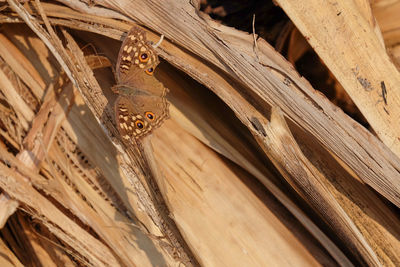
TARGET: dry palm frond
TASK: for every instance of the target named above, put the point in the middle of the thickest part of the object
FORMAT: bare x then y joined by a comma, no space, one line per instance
254,168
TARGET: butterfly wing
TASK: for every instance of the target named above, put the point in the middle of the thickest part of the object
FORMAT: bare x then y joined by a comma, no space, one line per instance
135,56
138,115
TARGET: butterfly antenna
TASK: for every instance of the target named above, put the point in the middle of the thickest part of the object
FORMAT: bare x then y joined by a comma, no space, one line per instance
159,42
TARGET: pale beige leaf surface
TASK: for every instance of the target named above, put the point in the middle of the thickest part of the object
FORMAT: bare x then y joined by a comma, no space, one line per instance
355,55
218,212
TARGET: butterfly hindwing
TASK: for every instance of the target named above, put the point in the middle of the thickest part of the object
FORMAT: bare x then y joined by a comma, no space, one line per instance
138,115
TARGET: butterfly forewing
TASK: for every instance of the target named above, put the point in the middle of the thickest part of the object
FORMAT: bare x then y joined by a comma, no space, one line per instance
136,53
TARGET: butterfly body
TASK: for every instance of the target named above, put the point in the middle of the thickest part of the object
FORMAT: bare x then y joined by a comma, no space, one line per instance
141,105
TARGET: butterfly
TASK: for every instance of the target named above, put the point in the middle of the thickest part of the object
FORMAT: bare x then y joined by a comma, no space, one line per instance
141,105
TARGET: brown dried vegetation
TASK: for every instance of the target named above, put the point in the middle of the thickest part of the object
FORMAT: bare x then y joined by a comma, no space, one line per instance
254,168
